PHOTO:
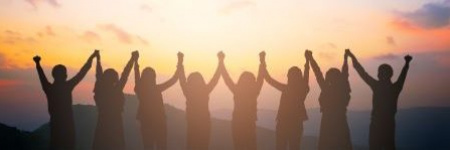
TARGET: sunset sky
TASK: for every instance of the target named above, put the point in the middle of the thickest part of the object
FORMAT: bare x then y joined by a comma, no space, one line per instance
66,32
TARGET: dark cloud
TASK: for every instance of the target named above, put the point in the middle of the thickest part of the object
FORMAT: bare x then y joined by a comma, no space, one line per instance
234,6
429,16
391,41
389,56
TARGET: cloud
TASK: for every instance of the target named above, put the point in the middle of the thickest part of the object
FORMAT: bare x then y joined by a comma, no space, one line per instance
35,3
90,37
146,8
122,35
389,56
391,41
234,6
429,16
13,37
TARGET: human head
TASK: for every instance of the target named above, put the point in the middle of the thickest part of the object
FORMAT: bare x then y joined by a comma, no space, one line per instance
196,80
149,76
385,72
59,73
332,76
110,76
294,75
246,80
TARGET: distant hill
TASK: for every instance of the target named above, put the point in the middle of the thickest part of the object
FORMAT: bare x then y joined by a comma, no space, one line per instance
85,120
417,128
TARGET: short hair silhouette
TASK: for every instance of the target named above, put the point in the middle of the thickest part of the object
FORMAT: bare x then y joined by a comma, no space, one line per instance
385,72
59,72
59,99
384,99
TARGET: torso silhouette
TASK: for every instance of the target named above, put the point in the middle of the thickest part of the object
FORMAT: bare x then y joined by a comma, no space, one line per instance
108,99
151,106
245,104
385,97
292,103
59,97
197,103
335,98
109,131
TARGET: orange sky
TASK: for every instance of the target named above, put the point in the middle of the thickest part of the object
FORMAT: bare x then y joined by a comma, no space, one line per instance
64,31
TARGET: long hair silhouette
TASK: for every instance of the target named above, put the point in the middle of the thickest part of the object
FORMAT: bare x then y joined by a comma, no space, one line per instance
109,99
197,91
151,114
59,101
291,111
245,93
333,100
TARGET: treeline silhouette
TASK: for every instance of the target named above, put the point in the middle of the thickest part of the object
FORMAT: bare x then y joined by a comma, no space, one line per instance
334,99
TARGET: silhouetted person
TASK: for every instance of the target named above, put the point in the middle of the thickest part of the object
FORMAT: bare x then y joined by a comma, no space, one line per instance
333,100
385,97
291,111
198,118
109,99
59,101
151,114
245,94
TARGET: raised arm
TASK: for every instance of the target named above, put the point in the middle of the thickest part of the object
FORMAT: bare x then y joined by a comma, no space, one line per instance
164,86
99,68
42,78
226,77
401,79
83,71
306,73
364,75
137,74
316,69
344,69
215,79
274,83
126,71
181,74
262,67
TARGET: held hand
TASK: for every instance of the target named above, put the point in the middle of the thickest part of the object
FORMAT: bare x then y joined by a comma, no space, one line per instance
408,58
221,56
308,54
97,54
135,55
347,53
262,57
180,57
37,59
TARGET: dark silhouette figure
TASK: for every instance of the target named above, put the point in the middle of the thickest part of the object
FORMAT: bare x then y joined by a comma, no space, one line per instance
291,111
333,100
245,93
59,101
198,118
151,114
109,99
385,97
